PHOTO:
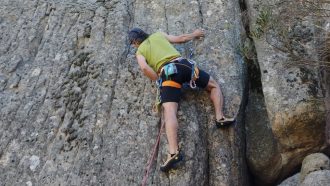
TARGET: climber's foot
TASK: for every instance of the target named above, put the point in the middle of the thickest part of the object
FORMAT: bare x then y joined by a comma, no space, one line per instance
224,122
172,159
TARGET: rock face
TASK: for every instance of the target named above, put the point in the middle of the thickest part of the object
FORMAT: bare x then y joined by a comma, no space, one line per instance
315,171
291,181
317,178
312,163
76,110
290,102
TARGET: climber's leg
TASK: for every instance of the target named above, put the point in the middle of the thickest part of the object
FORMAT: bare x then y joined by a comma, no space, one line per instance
171,125
171,128
217,99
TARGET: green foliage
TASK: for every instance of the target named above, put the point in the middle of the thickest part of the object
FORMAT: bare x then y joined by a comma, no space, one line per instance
295,28
262,24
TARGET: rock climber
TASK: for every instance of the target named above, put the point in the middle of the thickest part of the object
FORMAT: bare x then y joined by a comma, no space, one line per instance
161,62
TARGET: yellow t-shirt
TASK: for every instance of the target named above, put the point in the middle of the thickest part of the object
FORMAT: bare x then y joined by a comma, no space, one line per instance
157,50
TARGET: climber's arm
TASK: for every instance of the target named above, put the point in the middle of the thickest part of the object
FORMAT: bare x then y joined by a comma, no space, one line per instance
146,69
184,37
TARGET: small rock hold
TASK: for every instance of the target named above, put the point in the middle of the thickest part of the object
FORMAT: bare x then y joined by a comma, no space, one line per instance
34,162
15,81
28,183
77,91
36,72
72,137
3,81
95,75
87,31
15,61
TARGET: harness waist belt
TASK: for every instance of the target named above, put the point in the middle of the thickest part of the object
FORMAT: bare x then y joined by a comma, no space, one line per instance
170,83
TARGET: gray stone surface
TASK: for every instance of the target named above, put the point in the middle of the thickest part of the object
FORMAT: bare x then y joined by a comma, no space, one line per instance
288,37
261,148
314,172
317,178
75,109
312,163
291,181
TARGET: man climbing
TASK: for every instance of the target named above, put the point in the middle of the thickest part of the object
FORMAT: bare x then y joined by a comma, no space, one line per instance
161,62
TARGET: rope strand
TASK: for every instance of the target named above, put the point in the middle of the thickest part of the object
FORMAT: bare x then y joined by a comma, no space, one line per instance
153,154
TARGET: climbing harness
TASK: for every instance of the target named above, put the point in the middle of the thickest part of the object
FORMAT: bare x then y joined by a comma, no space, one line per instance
170,83
153,154
170,69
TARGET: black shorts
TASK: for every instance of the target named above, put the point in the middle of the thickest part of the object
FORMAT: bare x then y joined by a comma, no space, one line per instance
172,94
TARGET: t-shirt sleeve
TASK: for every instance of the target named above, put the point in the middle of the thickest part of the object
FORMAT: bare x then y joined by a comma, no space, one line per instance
139,51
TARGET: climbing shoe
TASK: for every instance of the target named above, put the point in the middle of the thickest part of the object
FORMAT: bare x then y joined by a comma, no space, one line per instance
224,122
172,159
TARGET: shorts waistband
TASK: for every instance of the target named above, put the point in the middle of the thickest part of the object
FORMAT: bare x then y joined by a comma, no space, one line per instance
172,61
176,59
